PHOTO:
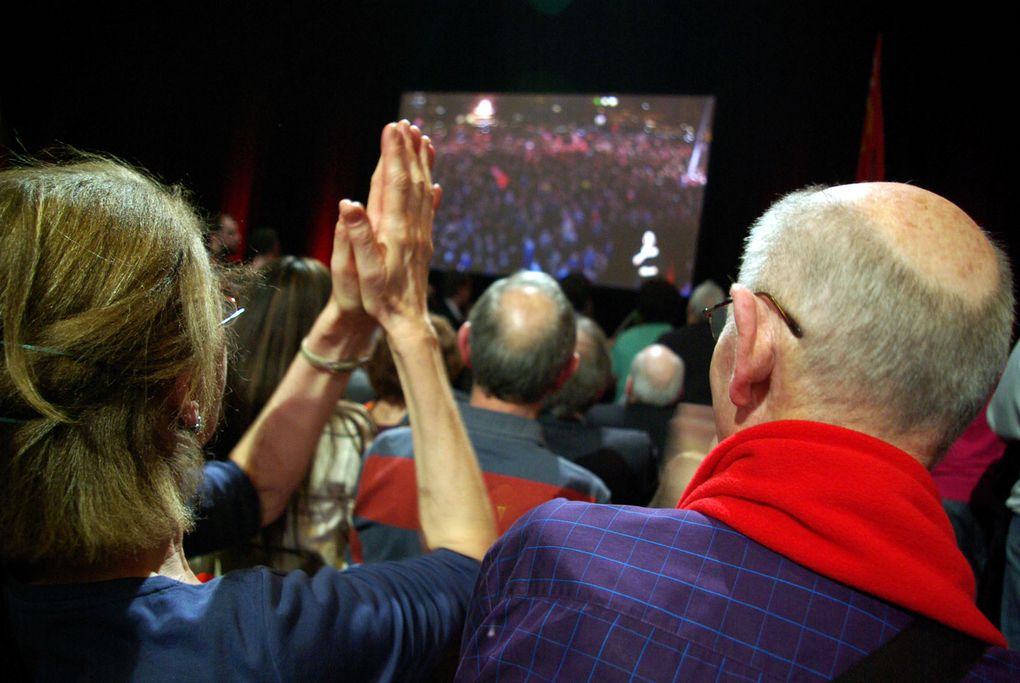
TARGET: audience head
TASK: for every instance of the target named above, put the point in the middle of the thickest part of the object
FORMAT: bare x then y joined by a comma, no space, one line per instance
594,373
656,377
110,314
382,371
225,237
658,301
519,340
705,295
281,308
906,310
458,286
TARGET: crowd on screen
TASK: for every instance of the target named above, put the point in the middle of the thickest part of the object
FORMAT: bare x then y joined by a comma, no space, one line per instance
538,199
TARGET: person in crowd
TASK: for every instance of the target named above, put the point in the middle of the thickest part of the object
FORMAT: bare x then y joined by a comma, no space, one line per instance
694,343
956,477
866,329
653,387
389,409
623,458
656,377
1004,418
264,247
225,238
659,307
455,299
519,340
281,308
111,326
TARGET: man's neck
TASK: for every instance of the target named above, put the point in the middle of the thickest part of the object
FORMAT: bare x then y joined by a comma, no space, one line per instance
480,399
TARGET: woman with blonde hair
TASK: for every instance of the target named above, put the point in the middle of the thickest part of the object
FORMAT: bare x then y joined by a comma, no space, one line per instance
114,364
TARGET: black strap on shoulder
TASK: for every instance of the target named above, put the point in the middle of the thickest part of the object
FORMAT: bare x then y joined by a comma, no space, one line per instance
925,651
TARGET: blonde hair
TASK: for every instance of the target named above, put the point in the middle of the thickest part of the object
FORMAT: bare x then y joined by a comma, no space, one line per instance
109,312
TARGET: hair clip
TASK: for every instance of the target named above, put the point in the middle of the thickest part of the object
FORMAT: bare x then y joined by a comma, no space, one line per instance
43,349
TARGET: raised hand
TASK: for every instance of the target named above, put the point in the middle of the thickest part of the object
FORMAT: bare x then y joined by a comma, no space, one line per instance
391,241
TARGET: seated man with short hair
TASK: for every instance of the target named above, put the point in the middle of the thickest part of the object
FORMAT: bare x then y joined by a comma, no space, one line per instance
624,459
651,392
867,328
519,341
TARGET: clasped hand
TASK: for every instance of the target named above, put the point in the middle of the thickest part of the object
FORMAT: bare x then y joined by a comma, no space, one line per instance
381,252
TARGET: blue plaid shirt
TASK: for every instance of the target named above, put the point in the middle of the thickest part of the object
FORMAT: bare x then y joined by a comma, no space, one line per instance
581,592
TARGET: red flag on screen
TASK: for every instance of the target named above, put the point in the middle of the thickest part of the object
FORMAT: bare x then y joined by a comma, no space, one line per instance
871,162
502,179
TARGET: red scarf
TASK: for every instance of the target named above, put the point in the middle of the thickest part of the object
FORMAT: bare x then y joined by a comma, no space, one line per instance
845,505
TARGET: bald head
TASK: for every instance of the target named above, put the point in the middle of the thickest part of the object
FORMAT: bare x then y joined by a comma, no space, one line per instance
522,334
522,312
656,376
931,236
905,305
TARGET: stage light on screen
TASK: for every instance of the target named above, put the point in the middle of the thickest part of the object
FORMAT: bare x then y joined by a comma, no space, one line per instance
484,110
607,185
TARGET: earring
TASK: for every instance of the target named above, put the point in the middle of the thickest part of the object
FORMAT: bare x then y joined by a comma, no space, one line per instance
190,419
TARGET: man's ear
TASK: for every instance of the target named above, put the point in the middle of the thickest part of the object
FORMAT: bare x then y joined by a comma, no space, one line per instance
567,372
753,353
464,343
628,389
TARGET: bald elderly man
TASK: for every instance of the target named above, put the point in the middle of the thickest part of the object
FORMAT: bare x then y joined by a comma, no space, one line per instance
519,343
868,326
653,388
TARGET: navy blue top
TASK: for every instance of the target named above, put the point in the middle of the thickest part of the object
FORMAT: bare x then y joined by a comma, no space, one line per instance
227,510
388,621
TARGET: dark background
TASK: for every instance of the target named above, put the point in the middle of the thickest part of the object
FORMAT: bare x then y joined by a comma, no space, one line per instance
274,113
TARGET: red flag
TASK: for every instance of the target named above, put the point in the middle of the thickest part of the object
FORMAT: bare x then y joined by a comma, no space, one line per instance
871,162
502,179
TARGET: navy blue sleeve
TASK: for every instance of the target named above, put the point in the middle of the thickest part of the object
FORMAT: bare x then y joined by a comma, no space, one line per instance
385,621
228,511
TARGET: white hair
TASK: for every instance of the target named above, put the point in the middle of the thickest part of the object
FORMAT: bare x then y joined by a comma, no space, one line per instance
657,375
879,342
705,295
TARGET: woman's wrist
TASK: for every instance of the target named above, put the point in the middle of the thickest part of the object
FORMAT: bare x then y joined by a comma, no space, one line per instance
340,335
411,335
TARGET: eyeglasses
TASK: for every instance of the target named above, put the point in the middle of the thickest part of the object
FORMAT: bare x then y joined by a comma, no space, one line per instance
231,311
719,322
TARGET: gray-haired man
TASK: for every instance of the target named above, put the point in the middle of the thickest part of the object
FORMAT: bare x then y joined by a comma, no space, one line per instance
519,343
868,326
